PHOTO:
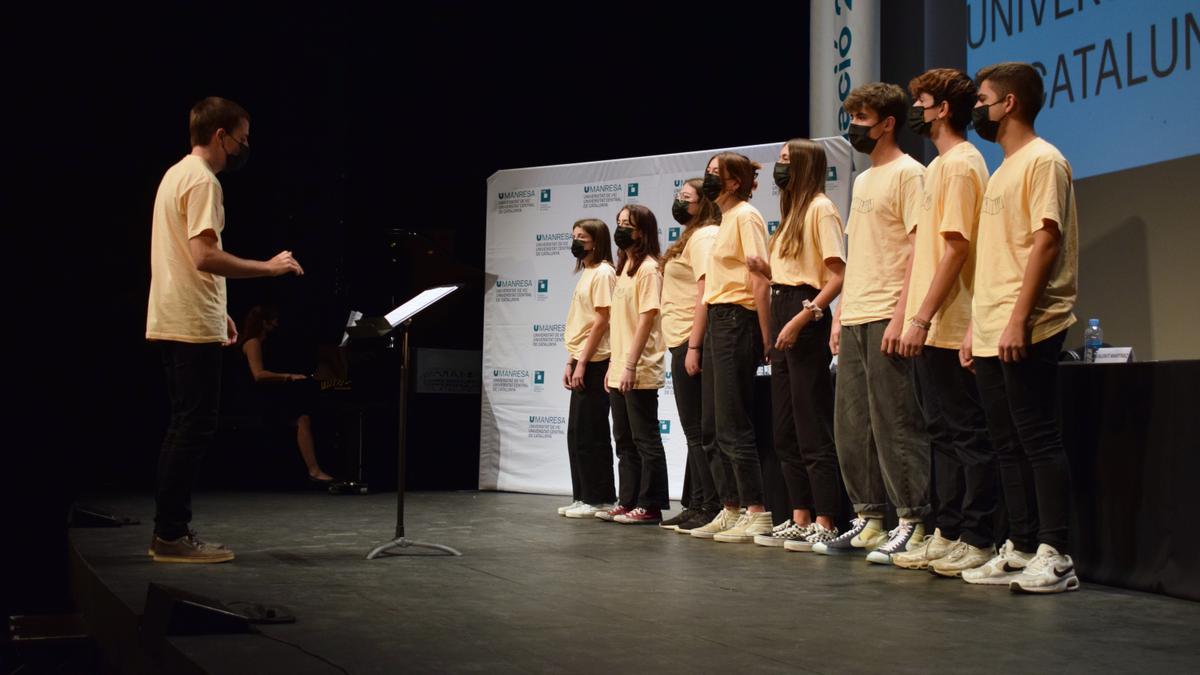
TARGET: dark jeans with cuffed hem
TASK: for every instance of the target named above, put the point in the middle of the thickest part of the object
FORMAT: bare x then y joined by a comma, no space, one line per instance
732,352
882,445
589,447
193,378
690,405
642,462
964,464
1021,403
802,405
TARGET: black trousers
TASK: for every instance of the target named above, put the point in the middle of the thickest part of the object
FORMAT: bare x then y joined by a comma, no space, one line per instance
964,464
802,406
589,447
732,352
193,378
1020,402
641,460
690,404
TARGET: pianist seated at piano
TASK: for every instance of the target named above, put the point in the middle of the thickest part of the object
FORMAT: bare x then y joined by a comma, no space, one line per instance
291,397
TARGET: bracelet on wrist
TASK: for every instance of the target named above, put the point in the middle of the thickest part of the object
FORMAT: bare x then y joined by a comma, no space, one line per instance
920,323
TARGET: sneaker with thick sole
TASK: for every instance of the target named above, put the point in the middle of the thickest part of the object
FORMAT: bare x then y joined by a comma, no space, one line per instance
562,510
681,517
640,516
746,529
783,533
611,514
921,555
211,544
1004,567
701,519
864,533
900,539
1048,572
817,534
189,549
587,510
724,520
961,558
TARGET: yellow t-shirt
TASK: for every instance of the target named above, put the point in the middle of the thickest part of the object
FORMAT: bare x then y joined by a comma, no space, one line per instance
185,305
594,289
954,185
820,239
884,210
743,233
632,297
680,276
1031,185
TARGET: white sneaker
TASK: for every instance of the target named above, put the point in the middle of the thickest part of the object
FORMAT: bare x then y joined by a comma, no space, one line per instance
922,555
723,521
1048,572
586,510
962,557
1006,566
562,510
746,529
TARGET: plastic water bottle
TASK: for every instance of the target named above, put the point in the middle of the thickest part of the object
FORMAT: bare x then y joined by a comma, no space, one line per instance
1093,338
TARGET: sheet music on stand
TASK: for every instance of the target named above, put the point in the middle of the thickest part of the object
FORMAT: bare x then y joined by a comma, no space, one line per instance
378,326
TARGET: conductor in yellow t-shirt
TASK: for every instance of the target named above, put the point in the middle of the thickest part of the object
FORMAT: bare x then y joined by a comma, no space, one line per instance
186,315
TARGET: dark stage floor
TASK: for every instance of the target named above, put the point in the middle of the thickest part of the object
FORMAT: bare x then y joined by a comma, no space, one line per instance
535,592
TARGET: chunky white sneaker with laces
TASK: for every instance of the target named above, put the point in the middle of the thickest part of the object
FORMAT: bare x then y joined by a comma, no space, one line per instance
962,557
562,510
1048,572
1004,567
922,555
586,510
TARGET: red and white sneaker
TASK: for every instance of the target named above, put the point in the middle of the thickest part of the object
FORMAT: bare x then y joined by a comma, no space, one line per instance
640,516
611,514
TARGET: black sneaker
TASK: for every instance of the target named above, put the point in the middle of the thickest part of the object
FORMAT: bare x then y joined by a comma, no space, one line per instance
699,519
682,517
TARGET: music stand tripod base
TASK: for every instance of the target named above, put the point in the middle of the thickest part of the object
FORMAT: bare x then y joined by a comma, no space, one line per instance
405,542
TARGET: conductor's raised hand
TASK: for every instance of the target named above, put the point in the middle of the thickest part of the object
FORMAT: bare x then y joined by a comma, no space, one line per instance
284,263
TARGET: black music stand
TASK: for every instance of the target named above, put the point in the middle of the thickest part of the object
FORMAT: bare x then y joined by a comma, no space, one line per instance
377,327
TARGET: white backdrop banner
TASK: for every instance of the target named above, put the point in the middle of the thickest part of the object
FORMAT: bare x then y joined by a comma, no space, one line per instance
843,54
523,444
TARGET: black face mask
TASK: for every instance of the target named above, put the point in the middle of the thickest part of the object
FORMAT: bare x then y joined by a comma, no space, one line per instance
917,123
712,186
782,174
578,250
860,139
986,127
679,211
235,162
623,237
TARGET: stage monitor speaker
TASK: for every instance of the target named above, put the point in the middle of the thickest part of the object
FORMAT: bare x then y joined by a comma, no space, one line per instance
173,611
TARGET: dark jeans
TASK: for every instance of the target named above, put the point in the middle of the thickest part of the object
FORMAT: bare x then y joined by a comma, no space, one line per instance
1020,401
689,403
642,462
588,445
964,464
732,352
802,405
882,445
193,377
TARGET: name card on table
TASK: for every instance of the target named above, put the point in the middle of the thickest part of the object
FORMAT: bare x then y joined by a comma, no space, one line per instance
1114,355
